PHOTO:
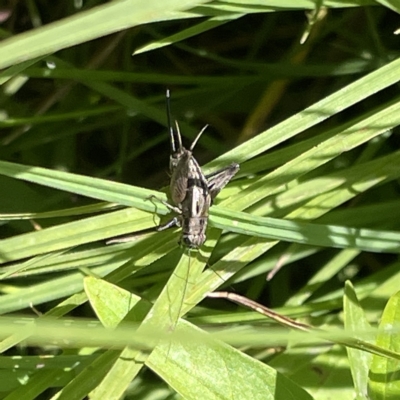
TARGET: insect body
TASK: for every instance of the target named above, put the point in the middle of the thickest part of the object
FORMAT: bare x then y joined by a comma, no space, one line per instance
192,193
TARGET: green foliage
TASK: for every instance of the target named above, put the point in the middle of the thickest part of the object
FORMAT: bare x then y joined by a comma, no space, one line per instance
307,103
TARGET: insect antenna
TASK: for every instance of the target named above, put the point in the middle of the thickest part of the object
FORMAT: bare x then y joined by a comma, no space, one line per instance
197,137
178,135
210,267
174,148
175,309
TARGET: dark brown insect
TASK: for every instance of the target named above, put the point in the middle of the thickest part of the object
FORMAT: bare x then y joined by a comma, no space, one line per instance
192,192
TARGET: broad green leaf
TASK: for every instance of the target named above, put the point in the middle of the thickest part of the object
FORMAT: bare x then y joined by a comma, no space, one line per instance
384,373
213,370
223,375
110,302
355,321
326,375
162,317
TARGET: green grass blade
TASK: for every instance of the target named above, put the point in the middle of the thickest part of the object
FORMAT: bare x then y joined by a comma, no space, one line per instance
90,24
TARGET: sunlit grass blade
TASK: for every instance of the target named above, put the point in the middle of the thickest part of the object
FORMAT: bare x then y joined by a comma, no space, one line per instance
74,233
187,33
90,24
313,115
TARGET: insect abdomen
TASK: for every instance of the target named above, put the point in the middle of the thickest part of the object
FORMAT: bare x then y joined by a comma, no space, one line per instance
194,231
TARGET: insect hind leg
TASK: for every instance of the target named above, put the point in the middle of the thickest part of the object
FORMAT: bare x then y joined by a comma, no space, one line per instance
173,222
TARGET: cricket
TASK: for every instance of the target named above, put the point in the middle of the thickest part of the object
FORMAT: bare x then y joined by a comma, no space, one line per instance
192,193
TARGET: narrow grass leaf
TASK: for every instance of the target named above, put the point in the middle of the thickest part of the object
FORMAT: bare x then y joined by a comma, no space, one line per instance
335,103
90,24
211,23
75,233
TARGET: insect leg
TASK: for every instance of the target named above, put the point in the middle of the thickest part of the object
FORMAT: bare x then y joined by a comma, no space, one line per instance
166,204
174,222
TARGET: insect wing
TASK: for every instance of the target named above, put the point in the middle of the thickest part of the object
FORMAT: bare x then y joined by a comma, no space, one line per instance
219,179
